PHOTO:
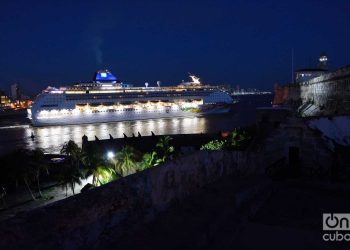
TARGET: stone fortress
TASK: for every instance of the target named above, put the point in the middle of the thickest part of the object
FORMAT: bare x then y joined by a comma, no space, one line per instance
317,91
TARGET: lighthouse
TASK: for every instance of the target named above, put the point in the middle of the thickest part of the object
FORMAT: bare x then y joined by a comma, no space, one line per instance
322,64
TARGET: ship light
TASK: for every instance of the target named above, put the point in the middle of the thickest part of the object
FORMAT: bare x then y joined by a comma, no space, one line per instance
44,113
88,112
56,92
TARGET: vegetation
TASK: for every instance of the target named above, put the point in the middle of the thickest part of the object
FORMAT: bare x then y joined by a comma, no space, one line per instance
150,160
105,175
125,161
76,155
24,167
214,145
68,176
28,167
238,139
165,149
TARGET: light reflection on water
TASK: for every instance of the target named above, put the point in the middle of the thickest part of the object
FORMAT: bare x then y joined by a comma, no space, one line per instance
17,134
52,138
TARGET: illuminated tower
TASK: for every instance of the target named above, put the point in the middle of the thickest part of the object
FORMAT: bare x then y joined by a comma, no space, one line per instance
323,61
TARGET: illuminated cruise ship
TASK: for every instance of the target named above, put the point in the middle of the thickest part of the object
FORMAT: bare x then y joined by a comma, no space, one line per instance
108,100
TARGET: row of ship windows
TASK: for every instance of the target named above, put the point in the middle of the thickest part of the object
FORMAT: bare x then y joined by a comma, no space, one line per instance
85,97
113,110
127,110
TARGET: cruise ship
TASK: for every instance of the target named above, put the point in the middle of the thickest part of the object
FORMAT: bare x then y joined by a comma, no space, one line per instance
106,99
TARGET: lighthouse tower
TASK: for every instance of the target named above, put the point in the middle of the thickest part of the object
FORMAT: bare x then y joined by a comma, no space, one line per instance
323,61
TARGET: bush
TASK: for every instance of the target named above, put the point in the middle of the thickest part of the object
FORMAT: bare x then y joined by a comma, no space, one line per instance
237,139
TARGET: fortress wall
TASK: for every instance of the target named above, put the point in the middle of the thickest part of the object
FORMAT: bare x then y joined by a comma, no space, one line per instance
330,93
81,220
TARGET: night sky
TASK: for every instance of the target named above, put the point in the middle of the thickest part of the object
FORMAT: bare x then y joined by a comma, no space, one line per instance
246,43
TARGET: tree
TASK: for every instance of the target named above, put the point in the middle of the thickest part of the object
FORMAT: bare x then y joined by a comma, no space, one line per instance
149,160
39,165
69,176
105,175
125,163
25,166
166,150
74,152
96,165
24,171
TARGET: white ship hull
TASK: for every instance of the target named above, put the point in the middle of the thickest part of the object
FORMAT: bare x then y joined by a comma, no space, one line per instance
109,101
121,116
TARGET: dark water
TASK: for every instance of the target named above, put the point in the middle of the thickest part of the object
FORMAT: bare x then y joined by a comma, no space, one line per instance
16,133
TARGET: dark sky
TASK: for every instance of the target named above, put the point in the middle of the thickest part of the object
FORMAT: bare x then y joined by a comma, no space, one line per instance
246,43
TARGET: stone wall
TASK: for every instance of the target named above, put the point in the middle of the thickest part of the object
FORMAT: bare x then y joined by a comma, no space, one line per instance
80,220
327,94
314,154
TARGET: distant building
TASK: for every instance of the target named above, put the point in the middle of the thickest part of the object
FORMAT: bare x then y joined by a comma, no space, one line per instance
15,92
5,101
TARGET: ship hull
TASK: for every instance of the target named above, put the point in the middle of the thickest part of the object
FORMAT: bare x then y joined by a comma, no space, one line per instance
103,117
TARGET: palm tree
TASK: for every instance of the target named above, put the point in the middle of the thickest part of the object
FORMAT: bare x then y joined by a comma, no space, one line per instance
68,176
96,166
125,161
150,160
24,171
38,163
74,152
105,175
165,148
